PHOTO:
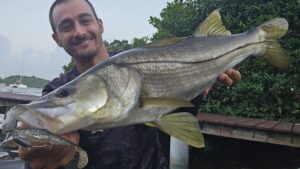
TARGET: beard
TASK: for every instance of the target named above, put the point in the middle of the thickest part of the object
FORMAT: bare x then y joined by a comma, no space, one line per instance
86,56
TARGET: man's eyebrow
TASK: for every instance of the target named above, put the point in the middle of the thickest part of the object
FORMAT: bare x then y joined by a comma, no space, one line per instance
85,15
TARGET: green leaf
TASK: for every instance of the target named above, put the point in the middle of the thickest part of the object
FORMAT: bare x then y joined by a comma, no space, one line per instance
296,104
279,100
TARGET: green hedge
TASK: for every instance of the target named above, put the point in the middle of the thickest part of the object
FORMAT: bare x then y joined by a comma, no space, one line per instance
265,91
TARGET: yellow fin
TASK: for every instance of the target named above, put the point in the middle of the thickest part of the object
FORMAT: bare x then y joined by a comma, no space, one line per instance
164,102
212,25
150,124
165,42
277,56
273,30
183,126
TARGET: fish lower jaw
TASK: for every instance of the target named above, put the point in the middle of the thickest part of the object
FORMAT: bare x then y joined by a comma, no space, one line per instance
68,124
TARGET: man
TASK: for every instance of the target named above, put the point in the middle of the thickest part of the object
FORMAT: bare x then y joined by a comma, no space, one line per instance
77,29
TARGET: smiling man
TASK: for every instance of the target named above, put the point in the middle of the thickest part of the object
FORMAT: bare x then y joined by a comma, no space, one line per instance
78,30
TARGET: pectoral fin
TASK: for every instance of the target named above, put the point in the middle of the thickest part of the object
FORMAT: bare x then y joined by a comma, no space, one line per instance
183,126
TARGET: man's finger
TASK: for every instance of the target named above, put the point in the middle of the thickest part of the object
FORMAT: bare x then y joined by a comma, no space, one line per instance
235,75
224,78
206,91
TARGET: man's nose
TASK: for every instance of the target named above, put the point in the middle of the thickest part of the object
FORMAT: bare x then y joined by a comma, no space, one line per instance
79,29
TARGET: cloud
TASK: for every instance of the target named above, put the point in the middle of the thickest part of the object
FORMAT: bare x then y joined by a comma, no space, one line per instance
31,62
45,65
4,47
5,56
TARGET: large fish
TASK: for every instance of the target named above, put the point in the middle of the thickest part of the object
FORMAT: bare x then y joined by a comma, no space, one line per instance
143,85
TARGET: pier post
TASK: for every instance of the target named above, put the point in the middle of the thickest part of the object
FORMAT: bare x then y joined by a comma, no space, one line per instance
179,154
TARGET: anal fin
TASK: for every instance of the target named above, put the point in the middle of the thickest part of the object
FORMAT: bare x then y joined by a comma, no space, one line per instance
183,126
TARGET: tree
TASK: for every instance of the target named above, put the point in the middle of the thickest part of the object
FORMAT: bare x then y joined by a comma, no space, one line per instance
180,18
118,45
68,67
138,42
270,93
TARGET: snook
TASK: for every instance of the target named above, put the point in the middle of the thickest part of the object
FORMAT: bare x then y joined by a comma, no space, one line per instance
143,85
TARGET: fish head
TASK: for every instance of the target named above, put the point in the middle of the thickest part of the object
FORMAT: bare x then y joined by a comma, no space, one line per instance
92,99
80,97
67,108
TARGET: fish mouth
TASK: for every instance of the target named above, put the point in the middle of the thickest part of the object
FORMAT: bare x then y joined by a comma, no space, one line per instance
57,120
42,117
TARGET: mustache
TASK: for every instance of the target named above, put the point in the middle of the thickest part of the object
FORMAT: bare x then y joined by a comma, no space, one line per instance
76,40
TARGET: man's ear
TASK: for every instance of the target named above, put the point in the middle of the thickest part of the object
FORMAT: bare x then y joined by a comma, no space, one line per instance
100,23
55,38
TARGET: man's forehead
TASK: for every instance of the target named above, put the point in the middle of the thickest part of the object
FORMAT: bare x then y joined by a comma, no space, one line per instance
70,9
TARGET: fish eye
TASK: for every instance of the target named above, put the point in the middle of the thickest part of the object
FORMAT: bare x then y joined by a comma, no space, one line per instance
62,93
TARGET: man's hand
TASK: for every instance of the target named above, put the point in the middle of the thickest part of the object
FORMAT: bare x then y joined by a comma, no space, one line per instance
228,78
50,156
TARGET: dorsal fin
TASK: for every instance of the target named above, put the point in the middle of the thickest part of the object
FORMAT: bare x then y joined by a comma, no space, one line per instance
165,42
212,25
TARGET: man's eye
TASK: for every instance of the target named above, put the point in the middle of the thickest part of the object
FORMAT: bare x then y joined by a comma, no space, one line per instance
65,27
85,21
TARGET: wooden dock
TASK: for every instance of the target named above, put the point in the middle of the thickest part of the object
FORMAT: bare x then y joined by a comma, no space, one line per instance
8,100
275,132
268,131
11,99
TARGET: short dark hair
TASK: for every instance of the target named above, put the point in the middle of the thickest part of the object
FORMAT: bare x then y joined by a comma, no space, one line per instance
57,2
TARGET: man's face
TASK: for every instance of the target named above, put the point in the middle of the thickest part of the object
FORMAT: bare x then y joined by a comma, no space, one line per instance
77,29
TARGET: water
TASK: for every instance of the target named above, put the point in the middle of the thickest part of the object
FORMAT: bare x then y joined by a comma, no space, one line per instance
27,91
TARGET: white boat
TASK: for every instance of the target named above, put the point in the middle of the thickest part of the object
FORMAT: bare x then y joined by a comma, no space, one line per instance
18,84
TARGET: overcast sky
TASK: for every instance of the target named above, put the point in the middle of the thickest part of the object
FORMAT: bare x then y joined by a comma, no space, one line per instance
26,45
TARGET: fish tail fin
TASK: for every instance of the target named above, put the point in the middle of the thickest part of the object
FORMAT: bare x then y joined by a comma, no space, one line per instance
276,55
275,28
272,31
183,126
